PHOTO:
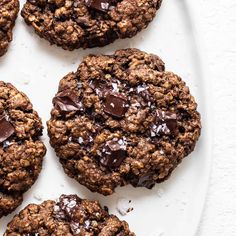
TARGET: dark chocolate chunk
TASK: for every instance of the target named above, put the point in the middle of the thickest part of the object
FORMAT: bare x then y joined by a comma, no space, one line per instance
116,105
67,100
113,153
65,208
75,227
165,123
6,129
100,5
146,180
120,234
101,87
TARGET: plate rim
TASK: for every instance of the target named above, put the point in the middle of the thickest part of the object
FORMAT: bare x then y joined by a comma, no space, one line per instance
194,9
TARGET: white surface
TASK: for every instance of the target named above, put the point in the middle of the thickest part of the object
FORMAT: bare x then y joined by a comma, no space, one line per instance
36,68
218,22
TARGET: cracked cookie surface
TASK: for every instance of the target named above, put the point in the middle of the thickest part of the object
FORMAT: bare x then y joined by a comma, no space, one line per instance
72,24
8,13
21,151
69,216
122,119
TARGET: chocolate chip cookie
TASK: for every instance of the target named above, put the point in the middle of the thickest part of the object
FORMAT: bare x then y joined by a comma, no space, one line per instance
69,216
8,13
21,151
122,119
72,24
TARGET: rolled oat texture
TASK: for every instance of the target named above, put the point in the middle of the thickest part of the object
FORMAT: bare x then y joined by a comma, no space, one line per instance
69,216
8,13
72,24
122,119
21,151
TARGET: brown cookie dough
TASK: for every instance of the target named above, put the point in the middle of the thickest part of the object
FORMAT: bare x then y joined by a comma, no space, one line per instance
122,119
8,13
72,24
69,216
21,151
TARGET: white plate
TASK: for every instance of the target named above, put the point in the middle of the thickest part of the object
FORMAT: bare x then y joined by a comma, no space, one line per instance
172,208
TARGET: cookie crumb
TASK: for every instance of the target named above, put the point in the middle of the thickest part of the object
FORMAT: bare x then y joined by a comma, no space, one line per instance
158,233
38,197
160,192
124,206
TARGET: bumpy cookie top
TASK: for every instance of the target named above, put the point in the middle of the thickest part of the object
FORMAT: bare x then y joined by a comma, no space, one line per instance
122,119
73,24
21,151
69,216
8,14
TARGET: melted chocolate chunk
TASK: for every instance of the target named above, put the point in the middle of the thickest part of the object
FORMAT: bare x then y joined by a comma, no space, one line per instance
100,5
6,129
146,180
101,87
67,100
116,105
165,123
113,153
65,210
66,207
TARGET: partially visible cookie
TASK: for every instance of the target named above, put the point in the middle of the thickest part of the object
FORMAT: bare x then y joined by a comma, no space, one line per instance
69,216
122,119
72,24
21,151
8,13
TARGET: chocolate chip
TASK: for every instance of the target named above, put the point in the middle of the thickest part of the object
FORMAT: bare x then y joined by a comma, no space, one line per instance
6,128
165,123
67,100
113,153
100,5
115,104
146,180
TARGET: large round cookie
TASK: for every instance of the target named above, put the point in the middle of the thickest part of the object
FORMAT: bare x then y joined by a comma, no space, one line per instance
122,119
69,216
8,13
73,24
21,151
